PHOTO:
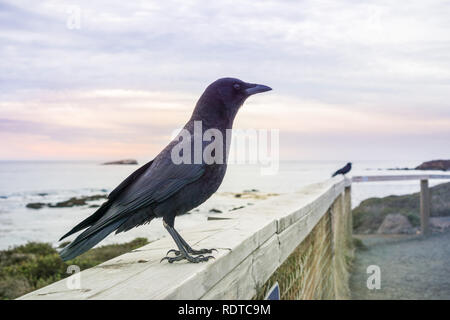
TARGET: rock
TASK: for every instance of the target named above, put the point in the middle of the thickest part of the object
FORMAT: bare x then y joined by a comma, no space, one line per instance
125,161
213,210
440,224
237,208
73,202
442,165
395,224
36,205
369,215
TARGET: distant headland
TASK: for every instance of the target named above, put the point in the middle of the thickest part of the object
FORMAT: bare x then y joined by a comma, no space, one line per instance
443,165
124,161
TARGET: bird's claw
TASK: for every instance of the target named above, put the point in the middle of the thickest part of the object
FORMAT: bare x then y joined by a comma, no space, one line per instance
192,251
197,259
176,252
202,251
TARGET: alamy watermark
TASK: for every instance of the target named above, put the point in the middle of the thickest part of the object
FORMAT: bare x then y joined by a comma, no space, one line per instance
374,280
237,146
74,281
74,18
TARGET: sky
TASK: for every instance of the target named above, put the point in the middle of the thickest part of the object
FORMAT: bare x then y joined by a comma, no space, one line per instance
104,80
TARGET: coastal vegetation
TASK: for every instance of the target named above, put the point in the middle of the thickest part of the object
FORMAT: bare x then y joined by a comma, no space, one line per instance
370,214
34,265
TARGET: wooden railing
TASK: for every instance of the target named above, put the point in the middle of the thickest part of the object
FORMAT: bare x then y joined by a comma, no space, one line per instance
425,197
300,240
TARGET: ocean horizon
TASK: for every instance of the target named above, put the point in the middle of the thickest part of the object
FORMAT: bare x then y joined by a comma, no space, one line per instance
23,182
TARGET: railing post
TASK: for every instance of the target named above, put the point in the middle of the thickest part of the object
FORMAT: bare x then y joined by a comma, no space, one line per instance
425,204
348,212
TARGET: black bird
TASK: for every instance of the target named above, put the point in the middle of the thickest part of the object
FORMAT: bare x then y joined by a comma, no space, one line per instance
164,189
343,170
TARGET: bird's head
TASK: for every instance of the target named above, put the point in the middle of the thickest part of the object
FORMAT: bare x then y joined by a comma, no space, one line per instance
223,98
233,92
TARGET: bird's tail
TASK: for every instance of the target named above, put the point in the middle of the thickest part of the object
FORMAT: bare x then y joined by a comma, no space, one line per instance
334,174
88,239
89,221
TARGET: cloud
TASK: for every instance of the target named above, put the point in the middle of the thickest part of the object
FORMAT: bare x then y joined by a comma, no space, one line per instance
374,68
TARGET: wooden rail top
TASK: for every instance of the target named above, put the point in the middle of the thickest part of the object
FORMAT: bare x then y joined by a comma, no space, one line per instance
399,177
251,245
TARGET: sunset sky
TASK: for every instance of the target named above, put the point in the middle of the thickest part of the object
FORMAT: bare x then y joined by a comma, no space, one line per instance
351,79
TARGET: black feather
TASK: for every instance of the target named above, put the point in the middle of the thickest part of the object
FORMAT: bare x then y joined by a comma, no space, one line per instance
344,170
82,244
106,205
161,187
89,220
125,183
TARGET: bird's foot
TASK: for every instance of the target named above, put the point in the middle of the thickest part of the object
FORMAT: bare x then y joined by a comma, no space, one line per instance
202,251
179,257
192,251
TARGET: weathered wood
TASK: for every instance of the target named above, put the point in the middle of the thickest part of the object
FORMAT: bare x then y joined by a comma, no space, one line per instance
425,205
252,244
425,198
348,211
399,177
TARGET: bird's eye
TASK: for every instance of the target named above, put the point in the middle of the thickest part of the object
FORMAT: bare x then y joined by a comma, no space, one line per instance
236,86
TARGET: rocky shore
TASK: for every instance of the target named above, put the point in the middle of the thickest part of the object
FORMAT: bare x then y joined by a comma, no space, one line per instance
72,202
400,214
443,165
440,165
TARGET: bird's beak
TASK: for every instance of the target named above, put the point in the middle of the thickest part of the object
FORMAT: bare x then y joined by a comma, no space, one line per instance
257,88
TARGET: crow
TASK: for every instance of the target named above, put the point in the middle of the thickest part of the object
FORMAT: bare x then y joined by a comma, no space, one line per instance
343,170
165,188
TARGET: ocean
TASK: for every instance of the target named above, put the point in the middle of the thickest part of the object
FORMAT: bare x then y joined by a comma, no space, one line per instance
23,182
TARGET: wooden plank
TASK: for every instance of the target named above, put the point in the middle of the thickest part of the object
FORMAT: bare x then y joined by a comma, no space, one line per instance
425,204
251,245
399,177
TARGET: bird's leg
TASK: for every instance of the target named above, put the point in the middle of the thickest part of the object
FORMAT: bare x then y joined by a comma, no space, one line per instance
182,253
189,248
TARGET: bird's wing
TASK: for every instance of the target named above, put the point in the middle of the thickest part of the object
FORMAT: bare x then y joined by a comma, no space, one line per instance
157,184
111,197
130,179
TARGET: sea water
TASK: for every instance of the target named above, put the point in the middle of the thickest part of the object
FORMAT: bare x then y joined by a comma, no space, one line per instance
23,182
